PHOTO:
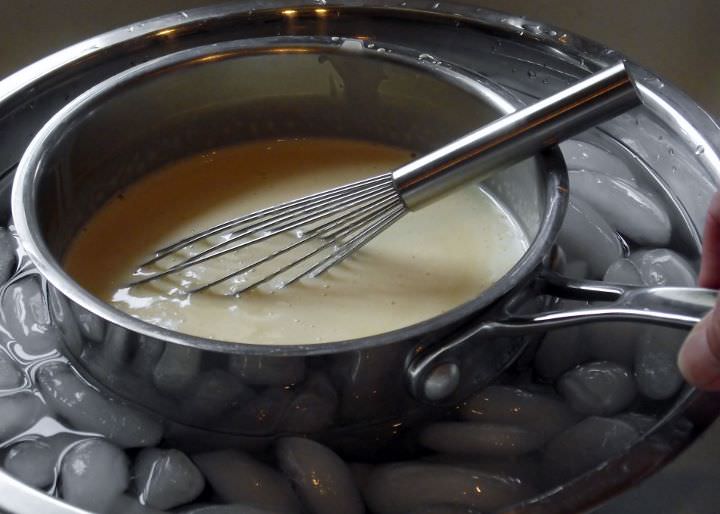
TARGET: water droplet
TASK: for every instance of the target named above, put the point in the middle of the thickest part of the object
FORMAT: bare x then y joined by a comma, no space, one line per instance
335,38
131,29
403,4
531,74
535,29
321,2
545,81
436,5
552,33
183,14
699,150
671,151
427,58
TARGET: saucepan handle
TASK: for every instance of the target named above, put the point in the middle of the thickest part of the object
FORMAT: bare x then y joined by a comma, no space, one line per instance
434,375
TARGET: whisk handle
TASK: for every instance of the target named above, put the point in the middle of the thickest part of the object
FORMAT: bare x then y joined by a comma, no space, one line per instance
517,136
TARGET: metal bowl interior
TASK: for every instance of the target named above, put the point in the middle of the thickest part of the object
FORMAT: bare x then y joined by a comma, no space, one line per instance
209,97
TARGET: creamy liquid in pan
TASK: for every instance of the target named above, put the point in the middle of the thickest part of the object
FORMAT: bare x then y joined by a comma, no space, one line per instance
427,263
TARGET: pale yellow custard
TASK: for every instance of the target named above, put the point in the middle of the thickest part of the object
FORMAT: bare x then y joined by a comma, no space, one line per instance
427,263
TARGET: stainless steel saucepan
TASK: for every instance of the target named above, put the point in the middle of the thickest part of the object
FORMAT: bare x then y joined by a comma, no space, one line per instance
216,95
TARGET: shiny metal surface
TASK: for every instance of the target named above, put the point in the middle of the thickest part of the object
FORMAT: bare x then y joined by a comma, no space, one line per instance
594,100
335,223
74,149
668,113
678,307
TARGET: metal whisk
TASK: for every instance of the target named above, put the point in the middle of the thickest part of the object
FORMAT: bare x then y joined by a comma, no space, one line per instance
309,235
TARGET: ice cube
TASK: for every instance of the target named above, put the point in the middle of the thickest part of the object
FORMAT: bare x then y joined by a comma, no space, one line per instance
525,469
27,318
88,410
480,439
32,462
559,351
116,348
625,207
361,472
580,155
238,478
177,369
640,422
147,354
586,235
656,370
321,478
371,386
542,413
403,487
313,408
166,478
19,411
614,341
623,271
598,388
125,504
35,461
262,414
10,375
8,256
584,446
213,392
663,267
94,473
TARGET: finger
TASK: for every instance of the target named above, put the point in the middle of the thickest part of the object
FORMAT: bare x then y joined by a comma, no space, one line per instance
710,268
699,357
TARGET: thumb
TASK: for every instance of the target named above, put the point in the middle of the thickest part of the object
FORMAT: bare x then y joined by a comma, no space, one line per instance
699,357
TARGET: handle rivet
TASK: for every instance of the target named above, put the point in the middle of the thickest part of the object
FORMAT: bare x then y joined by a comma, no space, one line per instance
442,381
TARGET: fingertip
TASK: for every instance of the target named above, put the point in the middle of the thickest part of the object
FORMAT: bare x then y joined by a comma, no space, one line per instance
696,360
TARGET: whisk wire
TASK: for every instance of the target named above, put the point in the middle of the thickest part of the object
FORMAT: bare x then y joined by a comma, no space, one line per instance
285,208
342,226
359,241
332,242
351,211
271,227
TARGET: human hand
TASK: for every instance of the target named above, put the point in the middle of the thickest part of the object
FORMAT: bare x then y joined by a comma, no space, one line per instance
699,358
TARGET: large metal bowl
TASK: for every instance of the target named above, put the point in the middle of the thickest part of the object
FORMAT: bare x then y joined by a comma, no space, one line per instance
452,34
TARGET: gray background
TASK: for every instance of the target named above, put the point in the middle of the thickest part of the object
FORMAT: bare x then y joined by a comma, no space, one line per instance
679,39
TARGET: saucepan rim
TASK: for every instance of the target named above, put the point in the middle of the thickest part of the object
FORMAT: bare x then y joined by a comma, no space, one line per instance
24,200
